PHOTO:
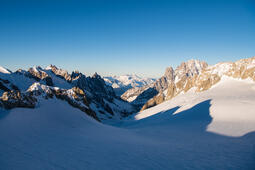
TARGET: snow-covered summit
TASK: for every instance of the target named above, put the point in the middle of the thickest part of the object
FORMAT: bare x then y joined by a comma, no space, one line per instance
4,70
191,74
209,123
192,131
89,94
125,82
128,80
56,70
39,87
190,68
140,95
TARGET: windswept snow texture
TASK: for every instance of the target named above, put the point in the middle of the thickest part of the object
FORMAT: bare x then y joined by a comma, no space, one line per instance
232,106
208,130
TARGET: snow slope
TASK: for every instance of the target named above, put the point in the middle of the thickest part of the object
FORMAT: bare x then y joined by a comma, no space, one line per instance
208,130
21,81
232,105
4,70
54,81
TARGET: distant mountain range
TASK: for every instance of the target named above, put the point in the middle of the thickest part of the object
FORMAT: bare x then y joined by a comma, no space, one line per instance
122,83
89,94
112,98
195,116
192,74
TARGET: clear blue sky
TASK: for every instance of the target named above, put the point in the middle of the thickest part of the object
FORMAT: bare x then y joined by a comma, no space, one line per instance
124,36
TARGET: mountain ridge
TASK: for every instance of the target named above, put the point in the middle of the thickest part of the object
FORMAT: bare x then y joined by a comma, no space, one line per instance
97,98
89,94
193,73
56,120
122,83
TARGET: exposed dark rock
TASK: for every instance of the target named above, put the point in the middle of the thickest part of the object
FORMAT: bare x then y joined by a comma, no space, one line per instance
169,85
2,87
75,75
37,74
5,81
108,109
14,99
61,73
48,81
85,92
78,95
14,87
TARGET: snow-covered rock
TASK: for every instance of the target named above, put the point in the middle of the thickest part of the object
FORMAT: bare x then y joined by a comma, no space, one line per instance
192,74
4,70
231,106
213,129
76,89
122,83
186,70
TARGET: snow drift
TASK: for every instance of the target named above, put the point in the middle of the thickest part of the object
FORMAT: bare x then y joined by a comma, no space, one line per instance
213,129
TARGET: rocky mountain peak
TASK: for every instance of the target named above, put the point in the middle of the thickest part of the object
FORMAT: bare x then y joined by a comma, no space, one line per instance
89,94
169,73
96,76
76,74
20,71
38,74
190,74
4,70
191,67
172,80
51,67
60,72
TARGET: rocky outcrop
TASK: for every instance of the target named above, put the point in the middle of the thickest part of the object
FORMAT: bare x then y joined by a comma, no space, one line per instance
205,81
60,73
12,99
7,86
198,75
38,74
3,87
89,94
97,99
103,96
75,96
153,101
169,85
169,74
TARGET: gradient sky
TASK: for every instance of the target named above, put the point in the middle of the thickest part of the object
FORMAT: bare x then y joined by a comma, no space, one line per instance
124,36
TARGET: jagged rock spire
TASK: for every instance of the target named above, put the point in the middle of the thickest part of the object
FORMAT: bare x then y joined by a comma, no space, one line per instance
97,76
169,73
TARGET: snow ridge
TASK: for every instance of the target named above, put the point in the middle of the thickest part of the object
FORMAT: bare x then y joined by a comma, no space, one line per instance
89,94
4,70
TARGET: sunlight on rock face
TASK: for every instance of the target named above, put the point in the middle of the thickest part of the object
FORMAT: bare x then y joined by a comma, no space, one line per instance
232,107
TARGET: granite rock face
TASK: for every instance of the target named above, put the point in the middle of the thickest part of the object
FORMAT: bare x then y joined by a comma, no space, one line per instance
89,94
191,74
12,99
97,99
166,86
